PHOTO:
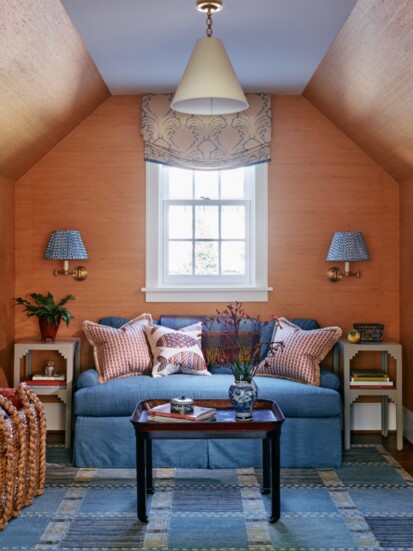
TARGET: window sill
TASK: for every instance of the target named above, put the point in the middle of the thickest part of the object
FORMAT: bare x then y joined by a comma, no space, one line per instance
203,294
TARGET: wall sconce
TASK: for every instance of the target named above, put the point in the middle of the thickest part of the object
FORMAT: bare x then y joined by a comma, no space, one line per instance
346,246
67,245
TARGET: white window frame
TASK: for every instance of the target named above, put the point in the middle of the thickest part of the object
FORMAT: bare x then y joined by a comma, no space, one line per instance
157,291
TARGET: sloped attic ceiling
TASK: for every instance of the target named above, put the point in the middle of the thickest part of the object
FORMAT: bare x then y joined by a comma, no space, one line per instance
365,83
48,82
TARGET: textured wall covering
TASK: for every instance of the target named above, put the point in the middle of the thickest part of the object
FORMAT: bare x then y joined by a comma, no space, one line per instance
206,142
319,183
7,194
406,288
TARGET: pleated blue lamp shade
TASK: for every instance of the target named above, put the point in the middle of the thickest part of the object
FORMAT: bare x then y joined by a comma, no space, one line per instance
66,245
348,246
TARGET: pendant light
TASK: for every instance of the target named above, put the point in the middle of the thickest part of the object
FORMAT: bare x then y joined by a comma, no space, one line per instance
209,85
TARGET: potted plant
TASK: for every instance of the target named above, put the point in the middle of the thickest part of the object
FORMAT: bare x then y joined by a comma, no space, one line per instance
48,312
242,358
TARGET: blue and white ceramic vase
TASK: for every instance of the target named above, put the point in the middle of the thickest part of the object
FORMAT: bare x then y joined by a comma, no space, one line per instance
243,395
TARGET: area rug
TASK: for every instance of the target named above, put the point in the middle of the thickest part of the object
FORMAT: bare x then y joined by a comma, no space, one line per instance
367,504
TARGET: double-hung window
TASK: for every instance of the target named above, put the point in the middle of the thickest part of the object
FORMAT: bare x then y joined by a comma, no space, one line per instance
206,234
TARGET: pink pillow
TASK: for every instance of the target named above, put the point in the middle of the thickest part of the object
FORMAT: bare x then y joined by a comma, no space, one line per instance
120,352
176,351
303,351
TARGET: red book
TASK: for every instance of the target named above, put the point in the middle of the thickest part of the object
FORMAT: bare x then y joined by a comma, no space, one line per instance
45,382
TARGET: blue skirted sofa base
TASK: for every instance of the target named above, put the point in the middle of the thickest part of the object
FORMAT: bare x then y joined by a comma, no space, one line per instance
104,436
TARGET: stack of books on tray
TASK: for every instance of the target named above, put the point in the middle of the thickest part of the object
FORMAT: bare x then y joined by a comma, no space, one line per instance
38,379
370,378
163,414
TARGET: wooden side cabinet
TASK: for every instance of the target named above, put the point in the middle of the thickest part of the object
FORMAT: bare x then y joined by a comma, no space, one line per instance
348,351
69,349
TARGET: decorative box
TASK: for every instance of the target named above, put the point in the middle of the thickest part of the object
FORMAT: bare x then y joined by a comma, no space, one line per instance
182,405
370,332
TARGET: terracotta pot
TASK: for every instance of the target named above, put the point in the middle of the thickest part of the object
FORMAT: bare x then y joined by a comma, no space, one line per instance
48,329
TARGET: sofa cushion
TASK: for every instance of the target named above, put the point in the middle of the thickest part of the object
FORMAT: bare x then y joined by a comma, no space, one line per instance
299,359
119,352
120,396
176,351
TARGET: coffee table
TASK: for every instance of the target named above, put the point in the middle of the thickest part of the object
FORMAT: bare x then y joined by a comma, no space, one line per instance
266,425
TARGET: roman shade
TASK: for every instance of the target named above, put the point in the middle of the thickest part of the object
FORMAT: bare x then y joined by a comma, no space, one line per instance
201,142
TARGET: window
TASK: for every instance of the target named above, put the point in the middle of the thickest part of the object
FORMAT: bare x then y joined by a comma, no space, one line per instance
206,234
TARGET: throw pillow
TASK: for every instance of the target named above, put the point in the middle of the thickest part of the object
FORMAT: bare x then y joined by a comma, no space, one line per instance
120,352
216,333
176,351
303,350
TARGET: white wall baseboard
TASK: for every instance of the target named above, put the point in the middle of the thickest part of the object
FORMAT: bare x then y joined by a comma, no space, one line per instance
368,417
55,416
408,424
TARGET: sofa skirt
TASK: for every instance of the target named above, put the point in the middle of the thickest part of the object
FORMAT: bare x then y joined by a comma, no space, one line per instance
109,442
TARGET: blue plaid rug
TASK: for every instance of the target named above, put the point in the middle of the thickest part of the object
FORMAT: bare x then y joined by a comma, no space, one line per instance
367,504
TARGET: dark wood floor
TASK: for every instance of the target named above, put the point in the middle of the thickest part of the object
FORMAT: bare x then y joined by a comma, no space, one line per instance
404,457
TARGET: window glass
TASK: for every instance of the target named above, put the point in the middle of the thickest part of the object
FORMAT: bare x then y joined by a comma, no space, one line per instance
180,257
232,184
180,222
233,222
206,222
206,184
180,183
206,258
233,258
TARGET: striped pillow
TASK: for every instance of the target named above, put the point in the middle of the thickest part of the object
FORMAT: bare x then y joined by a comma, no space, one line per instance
303,350
120,352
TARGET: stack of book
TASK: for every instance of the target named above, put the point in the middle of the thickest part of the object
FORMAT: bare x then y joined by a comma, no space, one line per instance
370,378
163,414
38,379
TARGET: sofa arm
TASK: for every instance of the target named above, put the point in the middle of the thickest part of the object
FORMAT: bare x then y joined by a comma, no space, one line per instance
90,377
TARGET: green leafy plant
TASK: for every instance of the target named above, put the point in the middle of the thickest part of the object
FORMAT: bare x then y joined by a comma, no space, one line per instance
44,306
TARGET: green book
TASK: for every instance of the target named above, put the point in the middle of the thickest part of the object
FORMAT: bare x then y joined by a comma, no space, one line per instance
383,379
368,373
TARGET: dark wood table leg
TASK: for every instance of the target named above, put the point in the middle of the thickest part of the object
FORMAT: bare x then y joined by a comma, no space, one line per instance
266,475
149,480
140,477
275,478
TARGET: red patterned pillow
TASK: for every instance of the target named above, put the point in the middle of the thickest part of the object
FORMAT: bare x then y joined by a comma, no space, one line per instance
176,351
120,352
303,350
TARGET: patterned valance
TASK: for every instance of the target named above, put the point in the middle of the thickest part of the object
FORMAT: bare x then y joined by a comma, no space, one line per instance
206,142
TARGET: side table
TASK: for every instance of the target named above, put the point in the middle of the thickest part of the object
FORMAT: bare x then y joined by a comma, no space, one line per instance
70,350
349,351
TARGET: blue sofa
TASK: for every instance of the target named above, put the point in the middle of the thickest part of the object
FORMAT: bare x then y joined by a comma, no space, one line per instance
104,437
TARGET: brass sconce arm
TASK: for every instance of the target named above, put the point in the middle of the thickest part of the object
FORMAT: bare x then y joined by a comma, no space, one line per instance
335,274
79,273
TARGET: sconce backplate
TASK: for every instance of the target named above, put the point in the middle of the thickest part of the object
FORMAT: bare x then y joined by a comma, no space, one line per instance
334,274
79,273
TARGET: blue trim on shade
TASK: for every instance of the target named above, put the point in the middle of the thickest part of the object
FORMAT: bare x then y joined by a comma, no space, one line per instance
348,246
66,245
